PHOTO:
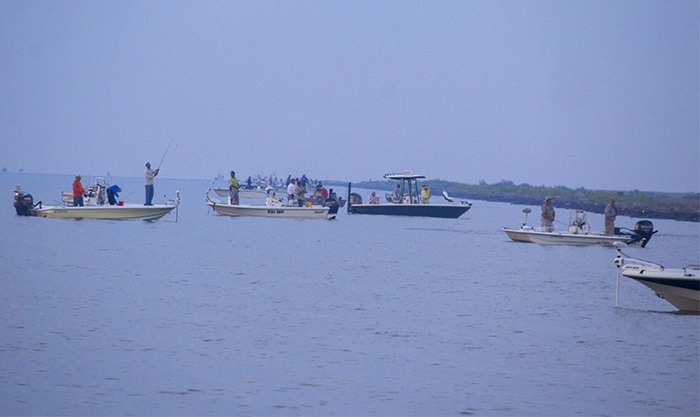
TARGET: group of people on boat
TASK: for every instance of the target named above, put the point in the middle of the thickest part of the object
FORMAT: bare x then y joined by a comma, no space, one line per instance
112,191
79,193
397,196
296,191
548,215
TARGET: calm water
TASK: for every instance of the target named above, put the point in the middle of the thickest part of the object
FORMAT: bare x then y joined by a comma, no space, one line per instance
359,316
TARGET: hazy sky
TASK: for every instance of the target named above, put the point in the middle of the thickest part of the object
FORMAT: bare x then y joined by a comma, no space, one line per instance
599,94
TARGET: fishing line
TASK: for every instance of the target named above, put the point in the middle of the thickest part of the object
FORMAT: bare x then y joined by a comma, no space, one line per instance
166,152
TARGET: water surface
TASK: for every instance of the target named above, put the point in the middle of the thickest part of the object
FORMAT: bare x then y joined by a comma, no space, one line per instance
364,315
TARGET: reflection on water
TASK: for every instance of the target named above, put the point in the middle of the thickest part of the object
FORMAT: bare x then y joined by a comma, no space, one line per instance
364,315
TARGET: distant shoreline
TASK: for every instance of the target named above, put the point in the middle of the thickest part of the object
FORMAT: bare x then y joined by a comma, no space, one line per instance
637,204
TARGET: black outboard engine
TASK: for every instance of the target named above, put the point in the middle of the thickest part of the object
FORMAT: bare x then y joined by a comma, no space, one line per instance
24,203
643,231
355,198
332,203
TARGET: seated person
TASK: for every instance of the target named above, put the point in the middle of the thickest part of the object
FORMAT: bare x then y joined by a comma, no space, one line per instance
373,198
272,200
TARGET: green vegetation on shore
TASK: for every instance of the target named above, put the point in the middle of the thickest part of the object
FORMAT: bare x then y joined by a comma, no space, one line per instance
635,203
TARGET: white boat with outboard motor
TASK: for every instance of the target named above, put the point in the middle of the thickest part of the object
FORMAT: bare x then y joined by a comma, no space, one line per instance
96,206
678,286
409,203
578,233
328,210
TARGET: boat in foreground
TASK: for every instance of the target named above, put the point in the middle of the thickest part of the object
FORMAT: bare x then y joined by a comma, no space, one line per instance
678,286
96,207
106,212
409,204
306,212
579,233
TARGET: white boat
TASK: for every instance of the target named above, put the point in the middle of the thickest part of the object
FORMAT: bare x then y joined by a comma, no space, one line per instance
409,204
253,193
106,212
306,212
678,286
95,207
578,233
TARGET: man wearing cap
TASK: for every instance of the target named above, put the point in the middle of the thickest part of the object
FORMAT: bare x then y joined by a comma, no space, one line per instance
425,195
610,215
113,194
548,214
233,187
78,191
149,175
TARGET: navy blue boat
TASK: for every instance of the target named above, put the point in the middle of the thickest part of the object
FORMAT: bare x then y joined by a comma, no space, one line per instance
407,203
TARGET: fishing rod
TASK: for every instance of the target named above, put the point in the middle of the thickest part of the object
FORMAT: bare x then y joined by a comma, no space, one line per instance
129,195
166,152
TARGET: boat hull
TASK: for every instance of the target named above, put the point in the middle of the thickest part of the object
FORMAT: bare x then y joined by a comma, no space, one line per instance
564,238
243,210
106,212
677,286
445,211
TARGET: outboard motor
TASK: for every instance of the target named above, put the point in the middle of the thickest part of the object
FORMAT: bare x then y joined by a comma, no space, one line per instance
24,203
332,203
355,198
644,230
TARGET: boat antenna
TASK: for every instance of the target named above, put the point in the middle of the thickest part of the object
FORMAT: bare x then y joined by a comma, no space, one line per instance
166,152
527,211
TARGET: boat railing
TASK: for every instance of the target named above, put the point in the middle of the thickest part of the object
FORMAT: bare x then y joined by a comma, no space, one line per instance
692,268
625,261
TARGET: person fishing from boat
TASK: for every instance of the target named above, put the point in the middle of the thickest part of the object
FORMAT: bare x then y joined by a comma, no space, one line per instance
233,187
304,180
425,194
113,192
548,214
610,215
249,183
300,193
290,191
148,176
373,198
78,192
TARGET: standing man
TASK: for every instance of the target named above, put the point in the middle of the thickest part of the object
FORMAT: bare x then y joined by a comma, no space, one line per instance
149,175
398,194
610,215
425,195
233,187
300,193
290,191
78,191
548,214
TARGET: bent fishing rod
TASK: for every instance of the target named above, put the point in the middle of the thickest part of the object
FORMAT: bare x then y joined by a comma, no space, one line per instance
166,152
